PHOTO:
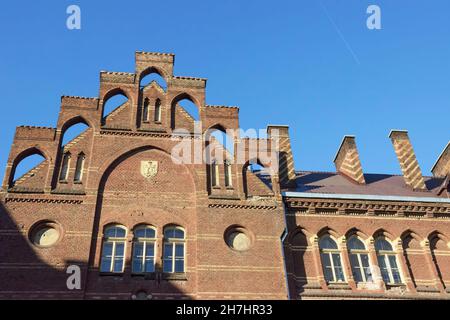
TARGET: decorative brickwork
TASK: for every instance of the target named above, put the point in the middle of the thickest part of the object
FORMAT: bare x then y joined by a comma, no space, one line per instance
212,230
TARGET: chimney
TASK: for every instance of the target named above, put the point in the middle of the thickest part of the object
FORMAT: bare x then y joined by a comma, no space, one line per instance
347,160
286,170
442,166
407,159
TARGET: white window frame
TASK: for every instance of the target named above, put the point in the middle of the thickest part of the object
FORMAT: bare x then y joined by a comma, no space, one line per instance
358,253
385,254
114,241
145,241
330,253
173,242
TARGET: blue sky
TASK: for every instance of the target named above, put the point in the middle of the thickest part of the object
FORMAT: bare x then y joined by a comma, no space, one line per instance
310,64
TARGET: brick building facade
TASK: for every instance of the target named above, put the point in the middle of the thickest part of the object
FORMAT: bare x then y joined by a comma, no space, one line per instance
140,225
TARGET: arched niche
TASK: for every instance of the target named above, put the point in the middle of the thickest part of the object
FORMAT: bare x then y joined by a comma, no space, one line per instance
29,160
185,110
257,179
115,108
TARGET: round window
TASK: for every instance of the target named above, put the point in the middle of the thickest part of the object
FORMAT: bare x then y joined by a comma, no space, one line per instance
238,238
45,234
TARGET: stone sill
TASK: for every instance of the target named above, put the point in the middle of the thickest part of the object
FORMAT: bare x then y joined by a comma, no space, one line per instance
338,286
181,276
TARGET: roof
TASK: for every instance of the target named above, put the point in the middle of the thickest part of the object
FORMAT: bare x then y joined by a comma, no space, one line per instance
376,184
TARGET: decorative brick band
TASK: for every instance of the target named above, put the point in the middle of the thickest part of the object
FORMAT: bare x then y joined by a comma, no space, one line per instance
45,200
368,209
241,206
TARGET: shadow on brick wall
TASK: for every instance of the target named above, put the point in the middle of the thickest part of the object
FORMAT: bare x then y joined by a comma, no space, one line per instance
30,272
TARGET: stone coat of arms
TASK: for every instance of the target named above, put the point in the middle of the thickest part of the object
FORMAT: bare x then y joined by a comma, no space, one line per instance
149,169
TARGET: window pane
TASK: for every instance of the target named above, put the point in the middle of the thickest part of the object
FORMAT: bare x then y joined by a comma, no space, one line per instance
336,259
167,265
394,269
119,249
149,265
365,260
115,232
137,266
167,250
168,233
327,243
366,267
326,260
179,265
383,244
355,244
383,268
179,234
150,233
396,276
393,262
107,249
328,274
110,232
138,249
105,265
326,264
150,249
179,250
338,267
339,274
118,264
356,269
120,232
139,233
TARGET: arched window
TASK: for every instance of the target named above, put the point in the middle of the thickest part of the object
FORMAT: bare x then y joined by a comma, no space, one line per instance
113,251
144,250
79,167
157,111
214,173
387,261
145,110
331,260
359,260
228,180
174,241
64,173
